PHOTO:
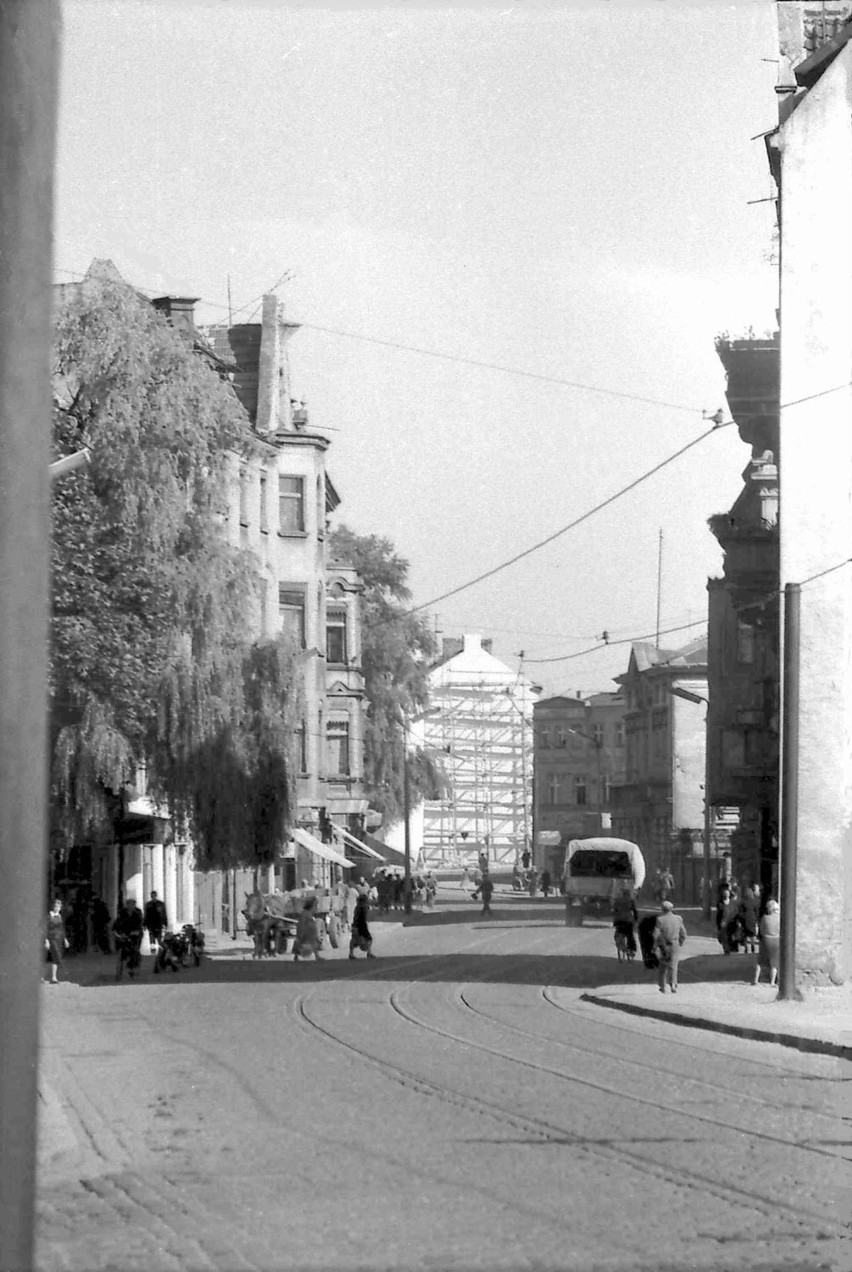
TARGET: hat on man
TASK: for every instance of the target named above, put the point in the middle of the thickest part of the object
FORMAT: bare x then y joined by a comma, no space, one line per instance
667,905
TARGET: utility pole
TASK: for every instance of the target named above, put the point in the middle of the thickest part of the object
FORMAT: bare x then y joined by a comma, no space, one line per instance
789,793
406,812
29,78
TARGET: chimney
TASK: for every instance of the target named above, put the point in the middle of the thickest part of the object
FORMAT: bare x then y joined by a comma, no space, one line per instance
179,311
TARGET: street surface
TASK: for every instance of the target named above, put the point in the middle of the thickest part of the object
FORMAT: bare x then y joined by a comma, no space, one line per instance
450,1105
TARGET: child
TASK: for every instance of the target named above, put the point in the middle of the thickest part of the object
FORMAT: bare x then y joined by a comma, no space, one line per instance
770,943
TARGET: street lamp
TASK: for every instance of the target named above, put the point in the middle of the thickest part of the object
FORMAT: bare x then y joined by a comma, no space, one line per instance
689,696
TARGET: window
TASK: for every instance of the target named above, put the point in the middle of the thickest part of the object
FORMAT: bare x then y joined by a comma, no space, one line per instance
580,791
619,733
291,607
302,747
335,636
553,789
337,747
544,737
291,505
745,642
560,735
244,493
598,733
607,789
264,506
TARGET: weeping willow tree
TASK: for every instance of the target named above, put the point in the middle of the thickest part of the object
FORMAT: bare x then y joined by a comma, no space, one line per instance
397,648
153,653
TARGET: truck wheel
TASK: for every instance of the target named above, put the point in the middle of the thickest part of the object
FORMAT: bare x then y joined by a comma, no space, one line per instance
333,926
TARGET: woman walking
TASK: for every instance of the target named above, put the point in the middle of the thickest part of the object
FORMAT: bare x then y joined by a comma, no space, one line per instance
361,938
770,943
56,942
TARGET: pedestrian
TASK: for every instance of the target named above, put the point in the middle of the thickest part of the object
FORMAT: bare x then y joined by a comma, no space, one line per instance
624,916
352,900
431,890
532,881
666,884
128,926
307,934
155,921
100,925
546,883
770,943
55,942
487,890
750,913
669,936
398,891
361,938
525,859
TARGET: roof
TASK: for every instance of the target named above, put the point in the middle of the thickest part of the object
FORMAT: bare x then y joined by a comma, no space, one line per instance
646,657
814,67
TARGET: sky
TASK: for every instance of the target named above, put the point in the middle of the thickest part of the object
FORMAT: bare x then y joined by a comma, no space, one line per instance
568,190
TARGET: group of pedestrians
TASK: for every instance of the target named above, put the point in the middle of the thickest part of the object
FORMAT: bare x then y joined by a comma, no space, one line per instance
745,921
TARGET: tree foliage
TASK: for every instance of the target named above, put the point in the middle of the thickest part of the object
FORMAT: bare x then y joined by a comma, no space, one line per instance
152,651
397,649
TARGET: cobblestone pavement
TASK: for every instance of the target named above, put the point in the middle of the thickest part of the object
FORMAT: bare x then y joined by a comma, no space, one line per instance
454,1104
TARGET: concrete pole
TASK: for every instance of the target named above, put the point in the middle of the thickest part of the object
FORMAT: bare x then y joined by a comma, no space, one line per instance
706,899
406,812
789,793
29,53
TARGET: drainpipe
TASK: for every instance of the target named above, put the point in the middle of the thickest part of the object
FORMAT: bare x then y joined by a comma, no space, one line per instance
789,793
29,56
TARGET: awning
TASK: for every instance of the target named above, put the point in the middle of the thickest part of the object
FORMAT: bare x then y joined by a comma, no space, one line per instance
319,849
358,844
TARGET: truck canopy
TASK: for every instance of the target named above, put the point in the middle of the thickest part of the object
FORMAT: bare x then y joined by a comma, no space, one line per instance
605,858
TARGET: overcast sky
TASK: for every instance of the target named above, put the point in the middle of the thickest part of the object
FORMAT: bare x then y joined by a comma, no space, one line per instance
563,189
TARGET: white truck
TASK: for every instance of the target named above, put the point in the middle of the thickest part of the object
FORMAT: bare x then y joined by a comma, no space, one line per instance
595,871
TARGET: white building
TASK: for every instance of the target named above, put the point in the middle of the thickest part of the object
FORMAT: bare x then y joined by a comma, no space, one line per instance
479,731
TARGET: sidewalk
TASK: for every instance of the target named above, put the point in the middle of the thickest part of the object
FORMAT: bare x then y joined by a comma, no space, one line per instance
715,993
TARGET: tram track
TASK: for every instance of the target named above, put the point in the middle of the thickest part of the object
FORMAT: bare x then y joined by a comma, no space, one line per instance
620,1156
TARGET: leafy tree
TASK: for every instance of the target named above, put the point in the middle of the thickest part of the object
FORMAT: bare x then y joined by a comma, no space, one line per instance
397,648
152,651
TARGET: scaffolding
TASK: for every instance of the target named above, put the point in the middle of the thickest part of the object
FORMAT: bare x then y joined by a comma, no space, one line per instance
480,730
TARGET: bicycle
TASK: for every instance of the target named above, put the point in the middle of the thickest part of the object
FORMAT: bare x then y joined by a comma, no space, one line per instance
128,954
622,944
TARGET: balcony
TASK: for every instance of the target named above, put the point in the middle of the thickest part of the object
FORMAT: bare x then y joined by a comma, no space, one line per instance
753,373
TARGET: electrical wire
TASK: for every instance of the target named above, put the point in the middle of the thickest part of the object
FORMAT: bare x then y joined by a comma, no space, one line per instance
605,503
612,644
497,366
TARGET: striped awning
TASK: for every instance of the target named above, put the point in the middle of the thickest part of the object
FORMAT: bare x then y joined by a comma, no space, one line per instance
319,849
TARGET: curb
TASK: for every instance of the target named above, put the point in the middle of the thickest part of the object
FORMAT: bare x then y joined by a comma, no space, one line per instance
798,1042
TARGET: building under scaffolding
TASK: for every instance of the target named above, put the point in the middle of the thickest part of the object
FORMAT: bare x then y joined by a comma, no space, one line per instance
479,729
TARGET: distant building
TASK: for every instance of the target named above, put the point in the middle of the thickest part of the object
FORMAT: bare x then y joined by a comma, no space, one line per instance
660,803
580,751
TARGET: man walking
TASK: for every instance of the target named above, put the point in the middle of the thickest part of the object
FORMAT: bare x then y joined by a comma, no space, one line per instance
669,936
156,921
487,890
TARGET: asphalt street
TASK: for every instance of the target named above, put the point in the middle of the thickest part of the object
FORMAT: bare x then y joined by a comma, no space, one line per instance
451,1105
